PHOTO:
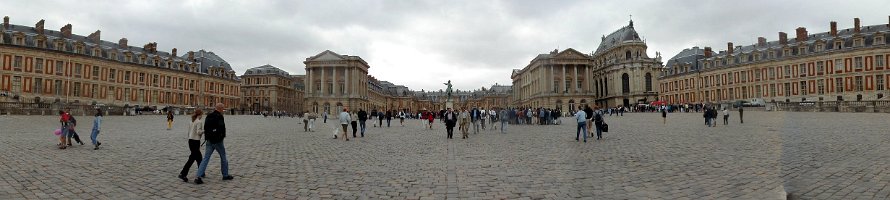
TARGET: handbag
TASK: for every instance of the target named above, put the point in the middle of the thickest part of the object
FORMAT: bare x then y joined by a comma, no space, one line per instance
605,127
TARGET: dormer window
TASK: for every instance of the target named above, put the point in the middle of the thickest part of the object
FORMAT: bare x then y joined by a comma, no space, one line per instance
97,52
879,40
128,58
839,45
786,52
772,54
857,42
41,43
756,57
19,40
819,47
801,50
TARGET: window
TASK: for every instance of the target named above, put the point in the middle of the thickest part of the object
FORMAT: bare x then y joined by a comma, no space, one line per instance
78,70
729,77
857,42
167,80
819,47
649,82
60,69
838,45
772,90
58,87
787,71
857,63
38,65
127,76
111,73
879,40
38,86
154,80
17,64
786,52
820,67
16,84
555,86
743,77
757,74
839,85
772,73
96,72
41,44
625,83
803,69
772,54
838,64
879,61
141,78
801,50
820,86
858,83
787,89
879,82
76,89
803,88
94,91
566,89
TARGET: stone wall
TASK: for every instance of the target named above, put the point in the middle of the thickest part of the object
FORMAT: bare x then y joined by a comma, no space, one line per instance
834,106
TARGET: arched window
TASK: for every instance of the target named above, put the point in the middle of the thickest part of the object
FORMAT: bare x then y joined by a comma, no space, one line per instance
648,82
625,83
627,55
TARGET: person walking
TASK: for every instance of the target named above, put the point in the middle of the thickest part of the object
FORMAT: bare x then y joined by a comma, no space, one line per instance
464,123
450,119
325,113
707,115
431,117
97,126
588,112
306,122
312,117
389,116
215,133
581,118
502,117
741,111
598,123
725,116
169,119
474,118
72,131
402,118
482,116
362,118
344,122
195,131
354,123
664,115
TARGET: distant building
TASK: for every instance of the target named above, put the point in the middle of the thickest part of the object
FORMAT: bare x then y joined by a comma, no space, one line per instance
839,65
40,65
268,88
618,73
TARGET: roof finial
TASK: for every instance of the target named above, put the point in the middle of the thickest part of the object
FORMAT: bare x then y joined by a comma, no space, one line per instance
631,17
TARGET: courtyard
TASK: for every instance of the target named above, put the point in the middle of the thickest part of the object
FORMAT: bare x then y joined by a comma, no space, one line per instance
810,155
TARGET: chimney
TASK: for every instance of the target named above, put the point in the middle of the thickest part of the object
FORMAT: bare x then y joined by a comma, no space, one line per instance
783,38
801,34
729,48
174,52
856,25
761,41
39,27
708,52
833,28
66,31
122,43
191,56
95,36
6,22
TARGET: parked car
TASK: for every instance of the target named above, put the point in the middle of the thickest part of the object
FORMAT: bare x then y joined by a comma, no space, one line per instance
754,103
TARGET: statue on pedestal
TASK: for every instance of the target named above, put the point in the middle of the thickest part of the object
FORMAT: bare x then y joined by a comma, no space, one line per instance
448,90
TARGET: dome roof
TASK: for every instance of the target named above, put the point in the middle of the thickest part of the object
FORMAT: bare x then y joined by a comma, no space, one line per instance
626,33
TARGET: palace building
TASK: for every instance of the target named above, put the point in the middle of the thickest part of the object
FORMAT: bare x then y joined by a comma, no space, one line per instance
618,73
268,88
838,65
40,65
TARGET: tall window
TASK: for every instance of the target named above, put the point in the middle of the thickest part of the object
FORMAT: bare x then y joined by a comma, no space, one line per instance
111,73
803,88
879,61
625,83
857,62
78,70
803,69
38,65
627,55
649,82
96,72
820,67
879,82
787,71
858,83
839,85
17,63
76,89
820,86
60,67
38,86
787,89
58,86
16,84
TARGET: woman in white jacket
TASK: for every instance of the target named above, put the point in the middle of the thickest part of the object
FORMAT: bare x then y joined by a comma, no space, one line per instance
196,130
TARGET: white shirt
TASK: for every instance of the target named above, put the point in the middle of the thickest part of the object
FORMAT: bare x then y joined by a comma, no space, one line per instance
196,130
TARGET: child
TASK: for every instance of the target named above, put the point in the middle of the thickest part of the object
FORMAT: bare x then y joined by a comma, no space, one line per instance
97,123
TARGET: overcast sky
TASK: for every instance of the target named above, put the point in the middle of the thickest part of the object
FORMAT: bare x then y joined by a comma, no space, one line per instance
421,44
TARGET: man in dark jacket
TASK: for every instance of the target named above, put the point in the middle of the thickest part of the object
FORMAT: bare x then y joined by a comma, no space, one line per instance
589,113
362,117
214,133
450,120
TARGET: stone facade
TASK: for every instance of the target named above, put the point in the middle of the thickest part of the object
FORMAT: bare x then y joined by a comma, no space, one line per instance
618,73
839,65
267,89
38,65
335,81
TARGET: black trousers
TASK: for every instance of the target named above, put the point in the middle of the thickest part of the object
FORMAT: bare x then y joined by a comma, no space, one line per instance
354,128
450,130
73,134
194,157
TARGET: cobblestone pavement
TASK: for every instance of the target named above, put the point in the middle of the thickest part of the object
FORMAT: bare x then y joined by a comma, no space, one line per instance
810,155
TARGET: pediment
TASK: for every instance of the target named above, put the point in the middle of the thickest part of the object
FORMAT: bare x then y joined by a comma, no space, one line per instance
570,54
327,55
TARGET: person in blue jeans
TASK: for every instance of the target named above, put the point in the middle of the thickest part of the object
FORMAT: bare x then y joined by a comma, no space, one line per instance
581,118
97,125
598,122
214,133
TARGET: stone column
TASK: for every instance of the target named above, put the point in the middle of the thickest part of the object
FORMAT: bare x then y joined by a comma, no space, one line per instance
348,76
323,82
575,79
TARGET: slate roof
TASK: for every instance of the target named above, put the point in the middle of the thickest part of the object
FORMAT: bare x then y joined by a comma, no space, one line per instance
266,69
627,33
